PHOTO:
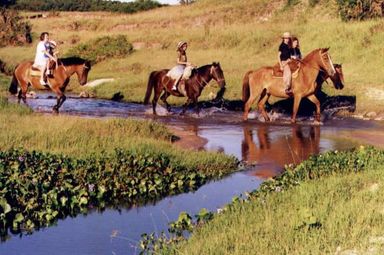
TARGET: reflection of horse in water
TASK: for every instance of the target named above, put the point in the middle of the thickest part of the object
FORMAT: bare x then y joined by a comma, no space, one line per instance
261,84
24,76
271,153
191,88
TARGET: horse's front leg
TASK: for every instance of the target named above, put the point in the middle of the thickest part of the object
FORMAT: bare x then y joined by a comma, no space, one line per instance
314,100
296,104
60,100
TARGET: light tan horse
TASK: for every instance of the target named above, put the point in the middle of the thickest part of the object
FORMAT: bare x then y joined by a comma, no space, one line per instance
262,83
24,76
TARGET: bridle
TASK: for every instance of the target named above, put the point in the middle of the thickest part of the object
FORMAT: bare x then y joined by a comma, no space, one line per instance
322,61
330,60
213,73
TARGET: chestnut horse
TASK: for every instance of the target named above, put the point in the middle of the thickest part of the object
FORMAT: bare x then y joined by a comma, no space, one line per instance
261,84
200,77
23,76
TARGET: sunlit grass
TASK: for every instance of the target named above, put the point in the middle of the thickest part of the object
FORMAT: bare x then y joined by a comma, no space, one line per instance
348,208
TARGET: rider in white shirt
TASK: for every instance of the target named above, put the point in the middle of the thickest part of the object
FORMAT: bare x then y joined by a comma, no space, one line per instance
42,55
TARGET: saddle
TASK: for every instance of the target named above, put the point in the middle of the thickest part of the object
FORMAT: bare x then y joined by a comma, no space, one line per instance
294,65
36,71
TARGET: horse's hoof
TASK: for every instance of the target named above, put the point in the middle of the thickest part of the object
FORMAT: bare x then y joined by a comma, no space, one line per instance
293,121
317,123
55,110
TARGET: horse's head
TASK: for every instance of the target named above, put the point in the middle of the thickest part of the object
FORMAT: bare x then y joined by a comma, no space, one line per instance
82,74
338,77
326,62
77,65
218,75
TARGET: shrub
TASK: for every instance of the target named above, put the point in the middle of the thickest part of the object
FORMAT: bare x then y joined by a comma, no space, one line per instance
13,31
102,48
360,9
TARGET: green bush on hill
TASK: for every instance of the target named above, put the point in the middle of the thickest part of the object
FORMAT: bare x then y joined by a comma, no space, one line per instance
102,48
85,5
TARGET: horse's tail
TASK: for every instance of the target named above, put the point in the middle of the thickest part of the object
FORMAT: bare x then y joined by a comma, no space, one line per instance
246,90
150,86
13,86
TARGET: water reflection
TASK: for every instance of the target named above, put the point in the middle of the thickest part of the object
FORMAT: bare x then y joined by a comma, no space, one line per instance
269,152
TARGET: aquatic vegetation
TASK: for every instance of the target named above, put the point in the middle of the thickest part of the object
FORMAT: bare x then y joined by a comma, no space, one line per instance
38,188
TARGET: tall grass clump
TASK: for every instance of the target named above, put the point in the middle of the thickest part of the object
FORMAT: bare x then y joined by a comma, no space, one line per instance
102,48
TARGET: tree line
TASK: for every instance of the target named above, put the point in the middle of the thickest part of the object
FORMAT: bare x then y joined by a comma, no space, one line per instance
81,5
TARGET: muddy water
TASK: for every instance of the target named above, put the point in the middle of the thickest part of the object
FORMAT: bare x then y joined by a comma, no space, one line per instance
264,148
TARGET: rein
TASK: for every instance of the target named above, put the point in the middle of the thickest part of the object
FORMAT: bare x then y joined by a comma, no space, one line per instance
213,73
316,68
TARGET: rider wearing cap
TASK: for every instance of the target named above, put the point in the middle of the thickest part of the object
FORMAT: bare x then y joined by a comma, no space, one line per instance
182,63
284,57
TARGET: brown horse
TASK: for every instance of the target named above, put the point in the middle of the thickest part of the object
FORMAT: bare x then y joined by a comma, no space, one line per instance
262,83
200,77
24,76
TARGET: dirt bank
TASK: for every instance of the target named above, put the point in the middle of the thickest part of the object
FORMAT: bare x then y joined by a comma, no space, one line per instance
187,138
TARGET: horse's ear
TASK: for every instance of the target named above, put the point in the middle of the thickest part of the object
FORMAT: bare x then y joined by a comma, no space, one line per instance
323,50
214,63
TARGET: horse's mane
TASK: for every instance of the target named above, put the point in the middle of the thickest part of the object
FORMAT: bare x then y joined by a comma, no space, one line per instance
309,55
72,61
204,67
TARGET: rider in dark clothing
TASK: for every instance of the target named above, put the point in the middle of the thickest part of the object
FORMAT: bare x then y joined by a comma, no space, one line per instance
295,51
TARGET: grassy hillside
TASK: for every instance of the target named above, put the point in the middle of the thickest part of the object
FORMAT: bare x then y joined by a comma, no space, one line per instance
241,34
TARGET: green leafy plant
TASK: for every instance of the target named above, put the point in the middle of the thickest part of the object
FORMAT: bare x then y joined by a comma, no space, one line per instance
38,188
102,48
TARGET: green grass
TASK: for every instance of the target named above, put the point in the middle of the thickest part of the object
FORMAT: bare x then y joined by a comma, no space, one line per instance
241,34
349,208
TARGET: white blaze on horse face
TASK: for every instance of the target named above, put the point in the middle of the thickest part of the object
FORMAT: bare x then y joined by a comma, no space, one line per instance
331,63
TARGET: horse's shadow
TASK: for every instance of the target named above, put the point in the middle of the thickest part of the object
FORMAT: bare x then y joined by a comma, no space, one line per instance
332,104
